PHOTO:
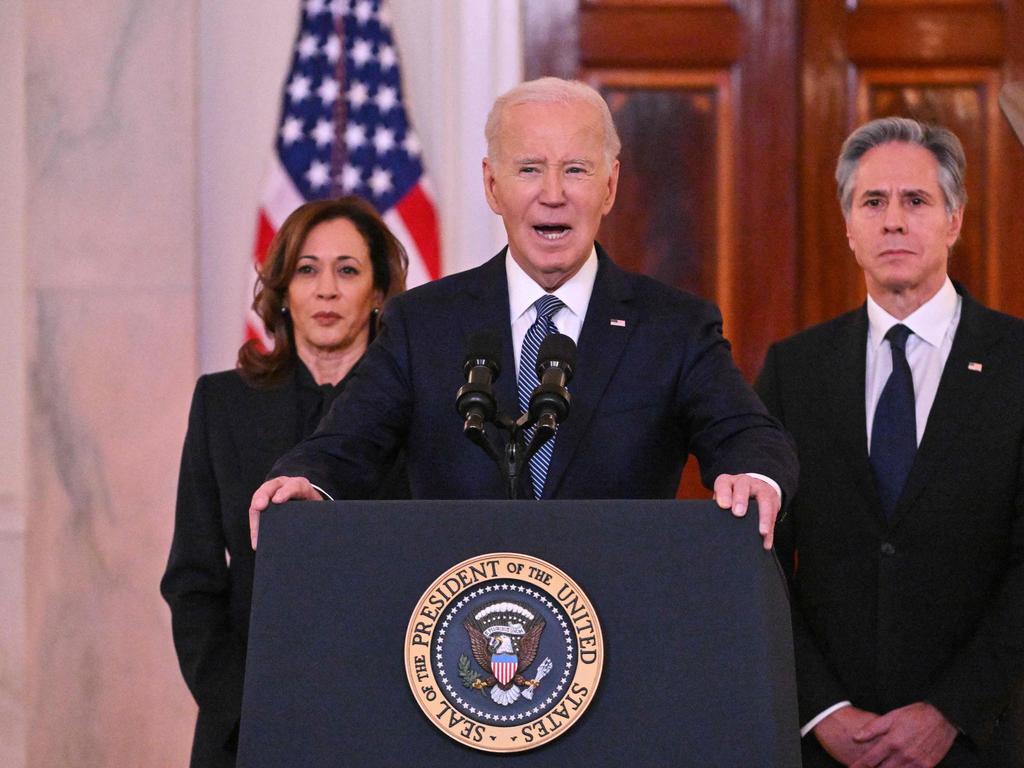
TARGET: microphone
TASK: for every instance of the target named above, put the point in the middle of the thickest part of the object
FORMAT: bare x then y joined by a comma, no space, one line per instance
556,362
475,399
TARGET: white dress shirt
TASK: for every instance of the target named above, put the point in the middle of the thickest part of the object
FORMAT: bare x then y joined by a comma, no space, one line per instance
523,292
933,326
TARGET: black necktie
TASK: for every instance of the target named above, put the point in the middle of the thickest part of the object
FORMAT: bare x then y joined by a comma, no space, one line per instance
894,429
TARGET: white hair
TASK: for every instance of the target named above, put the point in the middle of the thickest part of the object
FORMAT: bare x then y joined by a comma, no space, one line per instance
552,90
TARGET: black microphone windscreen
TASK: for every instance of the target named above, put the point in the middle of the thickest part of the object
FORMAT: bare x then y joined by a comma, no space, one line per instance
484,345
557,346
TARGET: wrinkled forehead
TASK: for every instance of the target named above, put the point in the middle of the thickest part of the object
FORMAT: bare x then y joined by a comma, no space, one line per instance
565,129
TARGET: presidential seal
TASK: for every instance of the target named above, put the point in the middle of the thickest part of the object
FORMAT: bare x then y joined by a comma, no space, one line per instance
503,652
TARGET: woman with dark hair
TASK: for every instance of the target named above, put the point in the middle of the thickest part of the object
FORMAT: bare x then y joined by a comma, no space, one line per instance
328,271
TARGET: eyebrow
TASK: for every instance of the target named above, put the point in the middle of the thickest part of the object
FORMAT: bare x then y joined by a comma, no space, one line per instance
541,161
902,193
340,257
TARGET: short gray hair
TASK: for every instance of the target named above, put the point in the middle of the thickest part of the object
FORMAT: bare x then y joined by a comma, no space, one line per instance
552,90
941,142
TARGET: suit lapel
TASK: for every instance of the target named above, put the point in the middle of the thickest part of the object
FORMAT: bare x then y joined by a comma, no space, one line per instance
844,377
960,390
600,348
487,309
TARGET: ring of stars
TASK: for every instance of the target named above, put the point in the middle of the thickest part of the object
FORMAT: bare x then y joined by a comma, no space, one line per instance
454,696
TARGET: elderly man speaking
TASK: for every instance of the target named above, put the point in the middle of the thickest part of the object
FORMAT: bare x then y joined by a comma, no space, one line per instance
654,378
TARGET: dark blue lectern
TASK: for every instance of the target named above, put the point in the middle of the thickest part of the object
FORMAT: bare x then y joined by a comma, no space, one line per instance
698,659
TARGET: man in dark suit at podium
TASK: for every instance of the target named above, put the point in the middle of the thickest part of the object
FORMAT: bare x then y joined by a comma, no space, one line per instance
905,543
654,378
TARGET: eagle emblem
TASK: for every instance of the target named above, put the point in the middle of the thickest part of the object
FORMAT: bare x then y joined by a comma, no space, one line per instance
504,637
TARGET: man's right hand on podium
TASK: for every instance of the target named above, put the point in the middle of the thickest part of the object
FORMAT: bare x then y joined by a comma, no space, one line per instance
278,490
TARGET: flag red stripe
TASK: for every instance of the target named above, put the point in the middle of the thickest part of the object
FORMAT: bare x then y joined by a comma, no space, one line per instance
264,234
418,213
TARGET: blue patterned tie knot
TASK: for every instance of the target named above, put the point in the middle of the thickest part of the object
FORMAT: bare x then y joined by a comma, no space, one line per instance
894,428
546,306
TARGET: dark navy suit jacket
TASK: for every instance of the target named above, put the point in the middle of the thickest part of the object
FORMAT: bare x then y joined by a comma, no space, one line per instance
654,382
930,604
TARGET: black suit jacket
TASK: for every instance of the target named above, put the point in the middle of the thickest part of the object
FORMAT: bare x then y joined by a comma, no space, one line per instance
654,381
235,433
929,606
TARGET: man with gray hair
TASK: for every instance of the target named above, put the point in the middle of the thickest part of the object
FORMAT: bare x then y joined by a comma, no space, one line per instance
905,544
654,378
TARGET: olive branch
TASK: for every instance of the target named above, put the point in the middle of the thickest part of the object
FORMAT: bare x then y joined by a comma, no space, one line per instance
466,673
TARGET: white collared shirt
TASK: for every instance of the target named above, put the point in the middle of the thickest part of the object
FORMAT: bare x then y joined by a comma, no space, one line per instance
933,327
523,291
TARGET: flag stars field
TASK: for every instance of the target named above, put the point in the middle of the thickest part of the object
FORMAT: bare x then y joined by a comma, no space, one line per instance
386,98
291,130
362,52
298,89
358,94
323,134
380,181
328,91
308,46
383,140
332,49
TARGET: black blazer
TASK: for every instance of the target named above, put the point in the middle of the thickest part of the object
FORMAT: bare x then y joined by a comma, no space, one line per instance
654,381
931,605
235,433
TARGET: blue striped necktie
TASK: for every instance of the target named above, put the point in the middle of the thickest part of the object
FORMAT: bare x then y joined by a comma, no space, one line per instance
547,305
894,428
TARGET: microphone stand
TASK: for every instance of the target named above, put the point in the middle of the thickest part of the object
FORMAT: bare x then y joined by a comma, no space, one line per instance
549,404
516,455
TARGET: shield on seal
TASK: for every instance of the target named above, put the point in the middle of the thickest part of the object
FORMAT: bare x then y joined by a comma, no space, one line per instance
504,665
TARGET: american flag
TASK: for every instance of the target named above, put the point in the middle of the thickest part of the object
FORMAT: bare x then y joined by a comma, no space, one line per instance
344,130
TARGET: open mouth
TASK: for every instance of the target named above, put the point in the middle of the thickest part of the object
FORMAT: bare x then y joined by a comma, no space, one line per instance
552,231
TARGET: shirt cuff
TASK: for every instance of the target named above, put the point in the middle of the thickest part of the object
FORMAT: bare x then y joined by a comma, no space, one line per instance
767,479
322,492
810,726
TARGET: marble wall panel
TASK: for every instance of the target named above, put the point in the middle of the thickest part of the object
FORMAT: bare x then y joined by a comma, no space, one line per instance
111,143
111,321
109,412
12,650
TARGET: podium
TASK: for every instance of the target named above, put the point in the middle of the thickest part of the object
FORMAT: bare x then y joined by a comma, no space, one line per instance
698,658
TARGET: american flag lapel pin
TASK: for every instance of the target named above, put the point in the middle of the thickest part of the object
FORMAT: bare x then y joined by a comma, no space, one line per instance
618,323
976,367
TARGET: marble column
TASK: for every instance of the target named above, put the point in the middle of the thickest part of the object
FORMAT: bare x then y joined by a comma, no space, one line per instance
110,314
13,397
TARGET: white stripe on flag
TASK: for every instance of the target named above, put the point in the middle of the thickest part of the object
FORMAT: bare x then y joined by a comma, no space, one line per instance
280,197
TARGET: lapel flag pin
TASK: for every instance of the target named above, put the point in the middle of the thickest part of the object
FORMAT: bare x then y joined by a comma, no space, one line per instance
618,323
976,367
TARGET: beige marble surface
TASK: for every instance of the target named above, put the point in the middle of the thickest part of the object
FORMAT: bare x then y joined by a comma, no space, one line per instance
111,271
13,389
